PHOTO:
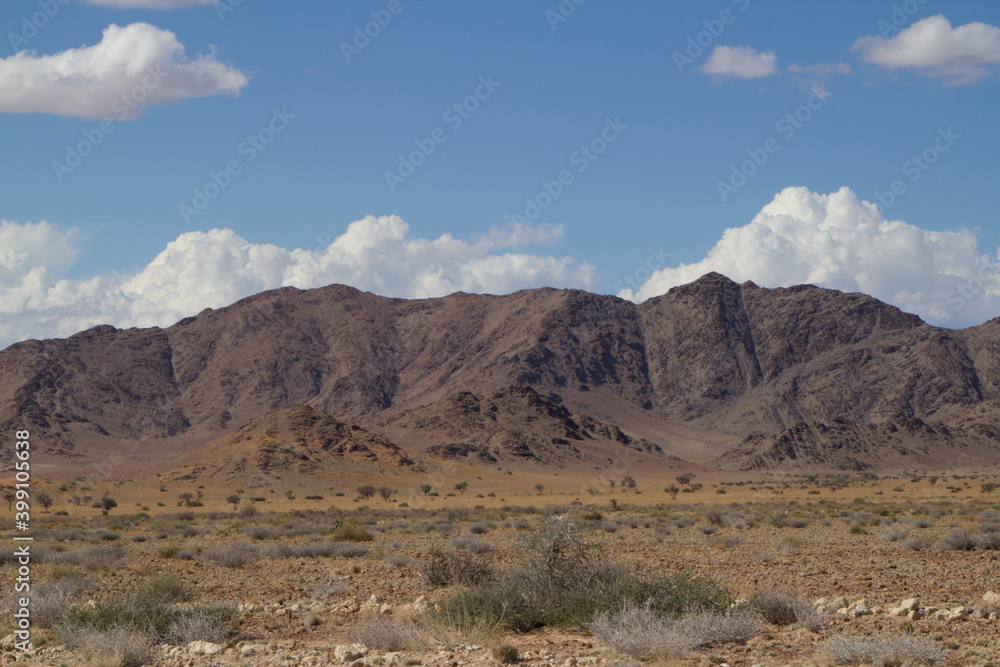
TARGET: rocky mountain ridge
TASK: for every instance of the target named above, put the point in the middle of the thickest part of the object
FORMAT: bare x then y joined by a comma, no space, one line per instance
714,355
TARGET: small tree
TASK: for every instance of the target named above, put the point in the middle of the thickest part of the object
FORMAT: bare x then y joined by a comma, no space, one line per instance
186,498
45,500
539,487
386,492
989,487
933,479
673,490
233,498
289,494
461,487
10,497
426,488
628,483
611,483
685,478
107,504
366,491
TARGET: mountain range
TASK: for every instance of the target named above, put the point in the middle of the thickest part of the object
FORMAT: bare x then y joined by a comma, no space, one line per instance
731,375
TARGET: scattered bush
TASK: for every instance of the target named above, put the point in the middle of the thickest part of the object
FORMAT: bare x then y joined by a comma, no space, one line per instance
561,585
352,533
235,555
165,588
639,631
889,651
385,633
122,647
958,540
103,556
781,608
443,569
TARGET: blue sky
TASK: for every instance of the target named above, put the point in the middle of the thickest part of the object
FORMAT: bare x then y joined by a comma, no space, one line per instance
833,99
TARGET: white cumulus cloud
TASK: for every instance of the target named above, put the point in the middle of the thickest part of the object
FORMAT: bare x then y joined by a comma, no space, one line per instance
131,68
963,55
839,242
740,61
215,268
148,4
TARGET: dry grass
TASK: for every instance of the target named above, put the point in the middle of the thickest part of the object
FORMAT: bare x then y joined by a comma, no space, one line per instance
898,651
782,608
638,631
117,647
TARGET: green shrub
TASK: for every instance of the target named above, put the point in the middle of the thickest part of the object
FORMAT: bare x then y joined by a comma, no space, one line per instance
164,588
352,533
141,615
561,585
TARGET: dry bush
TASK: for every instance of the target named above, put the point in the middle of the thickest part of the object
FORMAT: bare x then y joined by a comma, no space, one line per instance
352,533
103,556
958,540
443,569
896,651
385,633
505,654
638,631
235,555
473,545
325,549
117,647
50,599
918,543
203,625
781,608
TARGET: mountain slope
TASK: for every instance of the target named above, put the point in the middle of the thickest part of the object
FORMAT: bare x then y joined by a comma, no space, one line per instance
296,441
516,426
733,359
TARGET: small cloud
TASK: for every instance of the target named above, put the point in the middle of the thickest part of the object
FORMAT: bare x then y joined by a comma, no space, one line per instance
821,68
811,77
741,62
148,4
130,69
961,56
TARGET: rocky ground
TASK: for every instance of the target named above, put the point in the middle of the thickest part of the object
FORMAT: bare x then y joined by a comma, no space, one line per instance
306,591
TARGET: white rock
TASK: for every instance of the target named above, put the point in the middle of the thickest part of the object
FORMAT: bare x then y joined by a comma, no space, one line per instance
200,647
910,604
252,649
991,599
349,652
860,608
